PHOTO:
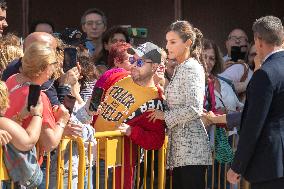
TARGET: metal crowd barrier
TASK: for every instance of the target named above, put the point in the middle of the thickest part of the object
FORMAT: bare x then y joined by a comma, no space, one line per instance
114,140
114,161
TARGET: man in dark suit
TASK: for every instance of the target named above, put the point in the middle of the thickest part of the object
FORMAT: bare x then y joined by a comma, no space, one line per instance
260,154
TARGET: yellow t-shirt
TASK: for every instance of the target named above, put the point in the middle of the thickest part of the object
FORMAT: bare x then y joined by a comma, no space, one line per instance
123,98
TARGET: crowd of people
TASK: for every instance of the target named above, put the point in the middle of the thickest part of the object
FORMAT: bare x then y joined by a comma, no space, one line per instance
187,91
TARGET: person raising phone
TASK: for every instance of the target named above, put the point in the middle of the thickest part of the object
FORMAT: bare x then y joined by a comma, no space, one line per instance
125,106
10,131
38,64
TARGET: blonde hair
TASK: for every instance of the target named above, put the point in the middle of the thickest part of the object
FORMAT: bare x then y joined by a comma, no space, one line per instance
4,96
36,59
10,49
9,53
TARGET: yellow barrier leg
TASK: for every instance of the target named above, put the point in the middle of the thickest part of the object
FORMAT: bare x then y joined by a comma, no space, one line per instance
152,169
145,169
98,165
70,166
106,164
90,164
47,170
58,183
122,163
138,168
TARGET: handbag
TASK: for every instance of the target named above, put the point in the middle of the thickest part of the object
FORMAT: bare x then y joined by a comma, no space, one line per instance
22,167
223,151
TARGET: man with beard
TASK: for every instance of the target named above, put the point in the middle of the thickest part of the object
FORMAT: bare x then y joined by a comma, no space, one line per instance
127,104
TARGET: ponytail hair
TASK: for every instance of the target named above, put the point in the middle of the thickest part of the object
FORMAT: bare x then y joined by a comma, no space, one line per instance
186,31
197,46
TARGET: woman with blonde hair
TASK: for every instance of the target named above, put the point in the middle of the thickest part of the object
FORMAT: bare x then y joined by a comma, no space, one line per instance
38,65
11,131
10,49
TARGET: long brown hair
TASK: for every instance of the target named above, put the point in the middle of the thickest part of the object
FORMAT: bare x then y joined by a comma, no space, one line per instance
186,31
219,62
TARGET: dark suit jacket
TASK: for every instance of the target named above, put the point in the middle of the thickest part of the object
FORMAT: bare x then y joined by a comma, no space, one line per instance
260,153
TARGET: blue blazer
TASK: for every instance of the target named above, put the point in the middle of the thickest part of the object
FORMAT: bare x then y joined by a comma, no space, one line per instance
260,153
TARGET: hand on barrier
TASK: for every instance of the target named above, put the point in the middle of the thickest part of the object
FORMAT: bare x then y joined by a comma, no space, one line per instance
125,129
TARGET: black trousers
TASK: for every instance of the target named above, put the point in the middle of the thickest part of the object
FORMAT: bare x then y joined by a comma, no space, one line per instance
189,177
272,184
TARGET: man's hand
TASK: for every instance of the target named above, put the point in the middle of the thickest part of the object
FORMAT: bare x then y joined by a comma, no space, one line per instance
206,122
156,114
70,77
125,129
74,130
233,177
5,137
61,113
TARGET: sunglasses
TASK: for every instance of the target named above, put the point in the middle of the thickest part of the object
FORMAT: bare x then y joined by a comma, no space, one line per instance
140,61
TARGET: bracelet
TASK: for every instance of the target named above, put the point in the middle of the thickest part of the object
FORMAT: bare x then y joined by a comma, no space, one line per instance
60,124
38,115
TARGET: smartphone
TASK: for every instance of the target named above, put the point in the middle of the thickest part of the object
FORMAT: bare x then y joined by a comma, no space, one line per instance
70,59
96,99
238,53
34,92
69,102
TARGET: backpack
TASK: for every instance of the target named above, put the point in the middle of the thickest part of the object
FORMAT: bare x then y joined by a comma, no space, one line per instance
22,167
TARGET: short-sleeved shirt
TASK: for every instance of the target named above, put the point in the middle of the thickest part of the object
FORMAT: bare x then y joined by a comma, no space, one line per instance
18,99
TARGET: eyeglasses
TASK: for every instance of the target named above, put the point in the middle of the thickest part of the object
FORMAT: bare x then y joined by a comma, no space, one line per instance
236,38
140,61
97,23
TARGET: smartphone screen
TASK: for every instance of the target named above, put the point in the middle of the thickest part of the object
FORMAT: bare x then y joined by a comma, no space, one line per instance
34,92
69,102
70,59
96,99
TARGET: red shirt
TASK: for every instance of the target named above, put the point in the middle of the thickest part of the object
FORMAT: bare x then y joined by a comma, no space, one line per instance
18,99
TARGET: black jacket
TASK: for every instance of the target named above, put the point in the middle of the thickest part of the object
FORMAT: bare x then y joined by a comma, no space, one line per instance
260,153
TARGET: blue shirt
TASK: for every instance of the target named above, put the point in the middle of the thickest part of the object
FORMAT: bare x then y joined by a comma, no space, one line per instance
90,46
